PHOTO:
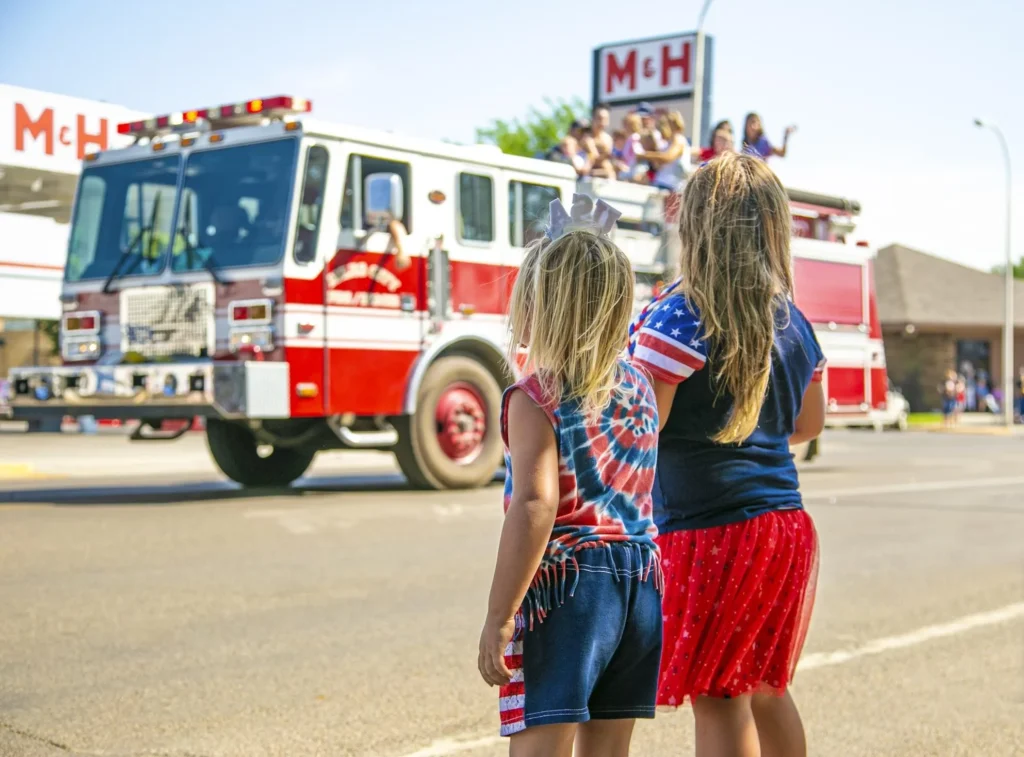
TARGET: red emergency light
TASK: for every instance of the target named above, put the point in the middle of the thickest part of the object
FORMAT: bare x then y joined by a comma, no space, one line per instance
220,117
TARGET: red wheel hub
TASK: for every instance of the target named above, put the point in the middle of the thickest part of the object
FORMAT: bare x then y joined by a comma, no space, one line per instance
461,419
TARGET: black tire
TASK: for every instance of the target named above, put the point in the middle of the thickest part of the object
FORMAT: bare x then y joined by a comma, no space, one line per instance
234,449
807,451
419,453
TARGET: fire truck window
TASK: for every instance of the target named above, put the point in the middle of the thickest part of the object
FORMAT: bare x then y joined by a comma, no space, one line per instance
123,213
86,231
234,208
528,211
307,230
359,167
476,208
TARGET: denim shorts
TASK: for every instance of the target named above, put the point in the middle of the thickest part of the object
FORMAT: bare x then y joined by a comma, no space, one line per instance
596,656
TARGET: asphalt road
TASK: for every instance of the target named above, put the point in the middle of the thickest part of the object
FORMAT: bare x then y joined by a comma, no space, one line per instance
160,611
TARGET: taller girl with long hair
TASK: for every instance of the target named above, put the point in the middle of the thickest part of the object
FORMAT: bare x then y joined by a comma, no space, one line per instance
737,373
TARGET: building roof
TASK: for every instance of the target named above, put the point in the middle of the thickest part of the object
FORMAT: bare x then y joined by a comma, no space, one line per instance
917,288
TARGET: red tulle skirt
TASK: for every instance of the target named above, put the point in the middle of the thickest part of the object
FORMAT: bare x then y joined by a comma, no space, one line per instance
736,607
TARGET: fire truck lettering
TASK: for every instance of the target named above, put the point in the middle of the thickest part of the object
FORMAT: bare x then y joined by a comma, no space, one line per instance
36,128
364,299
617,72
363,270
668,63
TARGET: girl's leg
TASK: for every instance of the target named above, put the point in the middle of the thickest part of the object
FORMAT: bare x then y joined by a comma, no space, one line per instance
604,738
779,728
725,727
543,741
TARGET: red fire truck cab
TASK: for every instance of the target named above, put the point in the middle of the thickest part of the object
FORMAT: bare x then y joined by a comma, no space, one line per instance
240,263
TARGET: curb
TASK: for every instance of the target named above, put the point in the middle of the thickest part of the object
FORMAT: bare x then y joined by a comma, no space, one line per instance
22,471
979,431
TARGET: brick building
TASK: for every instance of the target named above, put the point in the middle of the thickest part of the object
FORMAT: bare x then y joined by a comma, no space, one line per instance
937,315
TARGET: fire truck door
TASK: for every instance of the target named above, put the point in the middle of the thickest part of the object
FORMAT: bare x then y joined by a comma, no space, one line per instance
316,228
373,284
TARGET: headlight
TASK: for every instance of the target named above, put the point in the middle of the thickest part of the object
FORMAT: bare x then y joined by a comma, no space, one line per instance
241,339
81,348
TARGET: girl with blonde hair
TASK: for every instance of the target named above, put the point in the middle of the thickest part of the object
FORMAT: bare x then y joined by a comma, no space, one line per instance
573,628
737,372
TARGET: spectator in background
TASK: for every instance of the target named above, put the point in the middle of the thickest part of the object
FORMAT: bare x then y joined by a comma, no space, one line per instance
1020,394
672,164
602,165
633,151
619,142
961,395
569,152
756,143
722,141
649,133
948,391
599,130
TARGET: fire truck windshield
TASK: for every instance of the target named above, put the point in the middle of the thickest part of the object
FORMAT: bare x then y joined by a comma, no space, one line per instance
233,211
122,220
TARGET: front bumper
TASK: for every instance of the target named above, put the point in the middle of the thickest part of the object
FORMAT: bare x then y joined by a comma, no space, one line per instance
153,390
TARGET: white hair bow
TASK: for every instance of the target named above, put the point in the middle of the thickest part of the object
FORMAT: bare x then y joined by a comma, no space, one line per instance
599,217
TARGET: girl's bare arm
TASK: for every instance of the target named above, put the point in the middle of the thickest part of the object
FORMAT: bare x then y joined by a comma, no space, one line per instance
526,531
811,421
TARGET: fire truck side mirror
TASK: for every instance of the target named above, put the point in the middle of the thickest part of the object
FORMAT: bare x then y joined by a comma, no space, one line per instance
384,199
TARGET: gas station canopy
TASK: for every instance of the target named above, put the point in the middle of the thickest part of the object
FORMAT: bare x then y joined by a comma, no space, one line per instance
43,139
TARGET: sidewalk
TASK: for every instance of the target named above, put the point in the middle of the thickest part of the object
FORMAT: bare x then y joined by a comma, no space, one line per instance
978,424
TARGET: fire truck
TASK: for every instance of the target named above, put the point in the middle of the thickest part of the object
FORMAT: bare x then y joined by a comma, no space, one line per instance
240,264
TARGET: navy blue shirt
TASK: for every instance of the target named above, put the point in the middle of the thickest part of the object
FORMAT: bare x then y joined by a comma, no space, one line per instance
700,484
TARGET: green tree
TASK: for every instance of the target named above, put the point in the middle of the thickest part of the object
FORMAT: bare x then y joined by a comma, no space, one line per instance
1018,269
538,132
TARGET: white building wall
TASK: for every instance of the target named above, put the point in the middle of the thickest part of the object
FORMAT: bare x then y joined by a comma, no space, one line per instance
32,253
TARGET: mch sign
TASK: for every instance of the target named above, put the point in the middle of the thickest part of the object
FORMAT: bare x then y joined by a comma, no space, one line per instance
662,71
647,70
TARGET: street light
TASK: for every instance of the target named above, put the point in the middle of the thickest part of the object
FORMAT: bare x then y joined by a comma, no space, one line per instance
1008,335
698,79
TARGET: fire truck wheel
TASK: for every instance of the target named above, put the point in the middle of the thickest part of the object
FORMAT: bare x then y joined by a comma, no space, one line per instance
237,454
453,441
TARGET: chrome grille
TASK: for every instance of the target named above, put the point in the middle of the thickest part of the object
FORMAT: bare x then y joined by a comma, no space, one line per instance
168,321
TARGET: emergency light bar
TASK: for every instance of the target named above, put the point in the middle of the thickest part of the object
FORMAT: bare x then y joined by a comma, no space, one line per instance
219,117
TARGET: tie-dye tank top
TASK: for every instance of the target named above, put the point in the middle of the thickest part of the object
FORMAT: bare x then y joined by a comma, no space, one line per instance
606,470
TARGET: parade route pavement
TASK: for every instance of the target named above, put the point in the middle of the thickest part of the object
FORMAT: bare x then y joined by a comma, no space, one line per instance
148,607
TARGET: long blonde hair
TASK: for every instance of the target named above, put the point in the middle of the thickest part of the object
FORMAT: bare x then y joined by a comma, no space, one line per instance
570,312
735,232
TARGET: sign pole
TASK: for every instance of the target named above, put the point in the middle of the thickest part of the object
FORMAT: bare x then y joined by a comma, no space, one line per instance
1009,399
698,80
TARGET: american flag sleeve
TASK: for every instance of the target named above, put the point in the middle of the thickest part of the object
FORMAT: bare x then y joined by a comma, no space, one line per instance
665,341
819,371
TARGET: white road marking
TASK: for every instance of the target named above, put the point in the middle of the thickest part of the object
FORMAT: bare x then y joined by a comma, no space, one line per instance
445,747
447,512
913,638
300,522
915,486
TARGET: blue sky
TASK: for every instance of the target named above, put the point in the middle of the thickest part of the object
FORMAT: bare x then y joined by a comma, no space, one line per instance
883,91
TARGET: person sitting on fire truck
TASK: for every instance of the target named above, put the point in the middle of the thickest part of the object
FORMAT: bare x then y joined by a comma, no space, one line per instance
756,143
721,142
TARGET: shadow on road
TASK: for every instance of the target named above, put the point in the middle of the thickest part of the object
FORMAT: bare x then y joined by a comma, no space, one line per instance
176,493
167,493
